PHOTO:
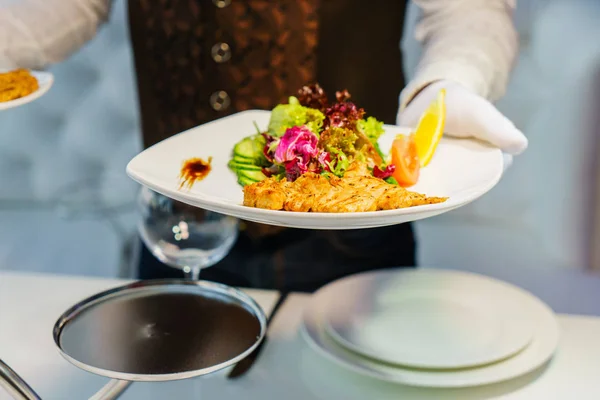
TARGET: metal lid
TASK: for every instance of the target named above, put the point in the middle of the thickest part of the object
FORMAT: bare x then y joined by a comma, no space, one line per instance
160,330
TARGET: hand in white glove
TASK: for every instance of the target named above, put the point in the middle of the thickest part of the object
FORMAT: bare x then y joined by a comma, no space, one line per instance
467,115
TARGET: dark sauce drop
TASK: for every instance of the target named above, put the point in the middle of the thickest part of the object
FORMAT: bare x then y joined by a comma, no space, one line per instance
194,170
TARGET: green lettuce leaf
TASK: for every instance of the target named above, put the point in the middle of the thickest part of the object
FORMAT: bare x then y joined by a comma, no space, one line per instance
285,116
338,139
373,129
341,165
391,180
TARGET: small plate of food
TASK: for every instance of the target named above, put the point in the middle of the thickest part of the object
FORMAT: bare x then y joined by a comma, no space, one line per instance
21,86
320,163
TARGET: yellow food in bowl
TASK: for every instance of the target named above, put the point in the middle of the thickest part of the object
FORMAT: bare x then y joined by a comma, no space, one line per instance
16,84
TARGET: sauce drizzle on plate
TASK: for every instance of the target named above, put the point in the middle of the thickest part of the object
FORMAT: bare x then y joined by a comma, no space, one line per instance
193,170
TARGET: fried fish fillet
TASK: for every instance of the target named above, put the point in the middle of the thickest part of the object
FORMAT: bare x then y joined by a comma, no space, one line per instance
357,191
16,84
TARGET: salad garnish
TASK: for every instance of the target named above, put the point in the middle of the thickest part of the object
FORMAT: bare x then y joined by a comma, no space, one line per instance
310,133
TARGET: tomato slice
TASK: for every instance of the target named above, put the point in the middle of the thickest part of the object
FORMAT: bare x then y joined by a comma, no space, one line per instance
406,159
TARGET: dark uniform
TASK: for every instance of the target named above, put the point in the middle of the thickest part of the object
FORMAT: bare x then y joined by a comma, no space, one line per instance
198,60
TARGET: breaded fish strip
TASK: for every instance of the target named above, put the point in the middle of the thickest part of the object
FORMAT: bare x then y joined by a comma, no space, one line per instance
357,191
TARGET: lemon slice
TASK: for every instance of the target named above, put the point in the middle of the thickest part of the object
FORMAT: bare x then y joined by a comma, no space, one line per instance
431,128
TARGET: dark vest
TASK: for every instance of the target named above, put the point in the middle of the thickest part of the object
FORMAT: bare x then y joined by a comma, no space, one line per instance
199,60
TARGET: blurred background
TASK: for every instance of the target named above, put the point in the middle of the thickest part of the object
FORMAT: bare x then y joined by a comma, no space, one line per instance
67,206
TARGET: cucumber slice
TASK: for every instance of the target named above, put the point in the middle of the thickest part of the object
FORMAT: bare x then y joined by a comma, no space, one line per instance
244,148
243,181
248,158
259,142
252,175
250,147
237,166
242,160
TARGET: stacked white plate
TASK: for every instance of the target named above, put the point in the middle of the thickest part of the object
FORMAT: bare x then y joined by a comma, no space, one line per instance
431,328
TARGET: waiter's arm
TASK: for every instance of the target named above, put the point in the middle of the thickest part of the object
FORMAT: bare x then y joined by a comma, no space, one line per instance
470,42
37,33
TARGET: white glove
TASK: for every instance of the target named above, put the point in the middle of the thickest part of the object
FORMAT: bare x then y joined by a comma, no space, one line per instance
467,115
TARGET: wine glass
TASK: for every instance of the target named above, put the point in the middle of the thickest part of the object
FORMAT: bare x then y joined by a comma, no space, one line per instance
183,236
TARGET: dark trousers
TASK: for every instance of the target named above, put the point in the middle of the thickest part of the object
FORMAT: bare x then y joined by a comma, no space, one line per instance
300,260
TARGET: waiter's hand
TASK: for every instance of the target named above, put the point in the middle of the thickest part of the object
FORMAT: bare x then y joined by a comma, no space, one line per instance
468,115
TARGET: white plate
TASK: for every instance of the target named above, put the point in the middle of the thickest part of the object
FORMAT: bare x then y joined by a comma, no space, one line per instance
463,170
45,81
428,319
535,355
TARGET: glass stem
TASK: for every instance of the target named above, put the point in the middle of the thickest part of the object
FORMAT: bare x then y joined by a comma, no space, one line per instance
191,273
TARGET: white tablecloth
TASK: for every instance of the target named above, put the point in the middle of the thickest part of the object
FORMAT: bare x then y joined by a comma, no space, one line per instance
287,369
